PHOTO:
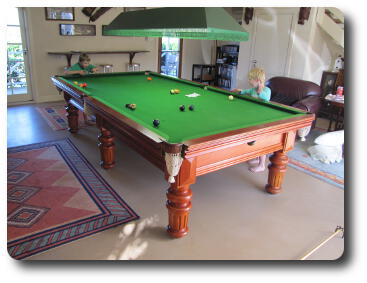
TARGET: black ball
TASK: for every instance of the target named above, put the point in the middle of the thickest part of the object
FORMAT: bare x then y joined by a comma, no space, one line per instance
127,105
156,123
192,107
182,107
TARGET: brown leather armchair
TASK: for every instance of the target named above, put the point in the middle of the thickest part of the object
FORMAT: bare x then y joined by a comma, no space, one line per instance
301,94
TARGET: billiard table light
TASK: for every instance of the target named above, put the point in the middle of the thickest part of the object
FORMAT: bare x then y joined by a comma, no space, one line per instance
210,23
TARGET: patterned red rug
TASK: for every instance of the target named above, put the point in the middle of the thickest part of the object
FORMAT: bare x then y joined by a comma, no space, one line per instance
55,196
55,116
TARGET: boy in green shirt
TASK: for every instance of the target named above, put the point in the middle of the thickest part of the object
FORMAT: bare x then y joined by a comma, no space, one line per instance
256,78
82,67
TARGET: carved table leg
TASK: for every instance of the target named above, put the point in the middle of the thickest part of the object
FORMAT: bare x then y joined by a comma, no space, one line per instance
180,173
277,170
179,205
107,148
72,115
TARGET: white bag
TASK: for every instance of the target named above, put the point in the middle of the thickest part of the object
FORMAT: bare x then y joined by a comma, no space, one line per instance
326,154
331,139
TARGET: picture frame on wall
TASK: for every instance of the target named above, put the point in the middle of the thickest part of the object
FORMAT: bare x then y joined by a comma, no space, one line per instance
328,82
59,14
77,30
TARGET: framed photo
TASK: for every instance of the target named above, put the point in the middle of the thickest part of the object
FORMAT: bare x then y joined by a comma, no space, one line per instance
77,30
130,9
328,83
59,14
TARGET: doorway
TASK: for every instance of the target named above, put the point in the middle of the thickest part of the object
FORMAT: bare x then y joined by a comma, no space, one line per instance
18,88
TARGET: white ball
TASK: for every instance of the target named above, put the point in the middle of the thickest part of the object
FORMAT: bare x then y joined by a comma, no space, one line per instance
230,97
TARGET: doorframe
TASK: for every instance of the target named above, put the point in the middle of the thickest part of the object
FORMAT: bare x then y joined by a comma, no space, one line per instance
276,11
19,98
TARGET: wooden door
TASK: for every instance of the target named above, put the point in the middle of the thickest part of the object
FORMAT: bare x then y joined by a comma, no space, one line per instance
271,47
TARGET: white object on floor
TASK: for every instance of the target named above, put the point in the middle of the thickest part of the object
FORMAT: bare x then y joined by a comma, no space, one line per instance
329,148
331,139
326,154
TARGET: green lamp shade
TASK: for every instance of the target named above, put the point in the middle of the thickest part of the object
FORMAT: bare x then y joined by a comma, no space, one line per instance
186,22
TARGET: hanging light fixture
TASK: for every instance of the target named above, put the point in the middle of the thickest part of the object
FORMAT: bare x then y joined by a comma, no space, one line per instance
183,22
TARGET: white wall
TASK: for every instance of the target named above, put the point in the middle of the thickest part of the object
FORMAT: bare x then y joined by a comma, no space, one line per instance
313,51
44,37
322,53
195,52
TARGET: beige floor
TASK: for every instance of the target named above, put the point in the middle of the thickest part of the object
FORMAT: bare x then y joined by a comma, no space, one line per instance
232,218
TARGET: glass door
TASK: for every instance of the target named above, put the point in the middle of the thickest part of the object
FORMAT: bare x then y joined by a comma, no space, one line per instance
17,64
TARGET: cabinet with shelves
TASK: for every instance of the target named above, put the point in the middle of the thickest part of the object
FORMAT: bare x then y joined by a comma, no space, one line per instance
226,66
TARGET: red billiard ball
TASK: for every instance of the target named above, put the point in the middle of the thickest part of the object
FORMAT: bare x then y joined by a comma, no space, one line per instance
85,85
149,78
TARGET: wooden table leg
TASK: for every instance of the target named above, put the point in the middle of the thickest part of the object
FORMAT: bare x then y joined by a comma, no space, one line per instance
179,194
331,118
72,116
179,205
107,148
277,168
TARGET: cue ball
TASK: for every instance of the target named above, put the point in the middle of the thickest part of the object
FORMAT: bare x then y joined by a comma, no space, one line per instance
156,123
192,107
182,108
230,97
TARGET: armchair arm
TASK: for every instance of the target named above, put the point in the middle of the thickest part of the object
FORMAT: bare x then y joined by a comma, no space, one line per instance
310,103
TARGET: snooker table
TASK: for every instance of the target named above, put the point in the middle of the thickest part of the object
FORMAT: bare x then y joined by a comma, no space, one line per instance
218,133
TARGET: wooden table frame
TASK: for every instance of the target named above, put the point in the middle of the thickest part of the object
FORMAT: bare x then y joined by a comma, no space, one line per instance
198,156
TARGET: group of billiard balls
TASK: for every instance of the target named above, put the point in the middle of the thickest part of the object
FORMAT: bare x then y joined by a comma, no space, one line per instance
131,106
174,91
182,108
191,108
81,85
156,122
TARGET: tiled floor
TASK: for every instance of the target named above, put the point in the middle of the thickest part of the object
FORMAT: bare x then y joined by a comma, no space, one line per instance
231,218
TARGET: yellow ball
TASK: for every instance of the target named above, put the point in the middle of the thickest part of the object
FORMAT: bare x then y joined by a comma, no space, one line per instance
230,97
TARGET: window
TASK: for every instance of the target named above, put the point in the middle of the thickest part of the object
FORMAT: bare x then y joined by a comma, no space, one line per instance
170,56
16,76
